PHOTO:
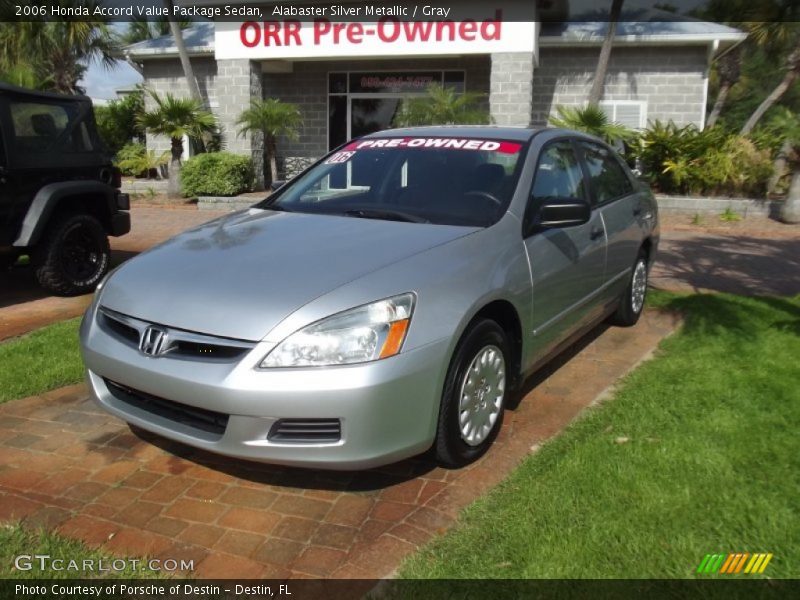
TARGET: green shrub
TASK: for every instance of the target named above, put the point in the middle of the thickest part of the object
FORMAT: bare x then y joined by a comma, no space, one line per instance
713,161
216,174
136,160
127,156
116,122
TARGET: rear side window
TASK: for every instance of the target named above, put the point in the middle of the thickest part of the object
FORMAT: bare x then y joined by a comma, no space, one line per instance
608,179
558,174
38,125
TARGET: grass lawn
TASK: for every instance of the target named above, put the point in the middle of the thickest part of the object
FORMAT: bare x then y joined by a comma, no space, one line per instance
39,361
712,464
16,540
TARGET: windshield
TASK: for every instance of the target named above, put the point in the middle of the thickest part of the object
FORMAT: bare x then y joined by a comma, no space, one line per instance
447,181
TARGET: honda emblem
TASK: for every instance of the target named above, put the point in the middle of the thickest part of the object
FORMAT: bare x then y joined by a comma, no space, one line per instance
153,341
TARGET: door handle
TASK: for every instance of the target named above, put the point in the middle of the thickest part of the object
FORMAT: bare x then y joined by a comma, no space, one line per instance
596,232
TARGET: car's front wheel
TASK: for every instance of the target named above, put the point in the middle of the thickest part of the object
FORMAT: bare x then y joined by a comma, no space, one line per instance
73,256
631,304
474,395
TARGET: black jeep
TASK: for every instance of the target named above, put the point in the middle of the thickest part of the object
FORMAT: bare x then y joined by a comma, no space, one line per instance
59,192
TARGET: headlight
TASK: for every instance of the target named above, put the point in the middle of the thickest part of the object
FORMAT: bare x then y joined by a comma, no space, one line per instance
362,334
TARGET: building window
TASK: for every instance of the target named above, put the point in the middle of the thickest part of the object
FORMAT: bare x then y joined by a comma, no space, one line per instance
630,113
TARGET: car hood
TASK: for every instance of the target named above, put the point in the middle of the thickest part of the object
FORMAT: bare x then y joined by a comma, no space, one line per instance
240,275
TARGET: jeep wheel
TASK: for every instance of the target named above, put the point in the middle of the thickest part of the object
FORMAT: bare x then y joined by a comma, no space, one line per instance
73,256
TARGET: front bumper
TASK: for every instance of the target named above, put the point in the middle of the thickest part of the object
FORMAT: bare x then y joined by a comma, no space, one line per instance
387,409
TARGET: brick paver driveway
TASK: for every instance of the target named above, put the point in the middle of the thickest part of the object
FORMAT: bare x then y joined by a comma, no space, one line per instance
65,464
24,306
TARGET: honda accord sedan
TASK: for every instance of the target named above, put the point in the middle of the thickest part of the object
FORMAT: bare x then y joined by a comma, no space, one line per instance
385,301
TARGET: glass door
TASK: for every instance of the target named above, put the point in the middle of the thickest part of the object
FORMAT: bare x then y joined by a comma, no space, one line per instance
370,113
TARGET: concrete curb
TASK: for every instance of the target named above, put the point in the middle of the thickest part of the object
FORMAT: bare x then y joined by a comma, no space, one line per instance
223,203
694,204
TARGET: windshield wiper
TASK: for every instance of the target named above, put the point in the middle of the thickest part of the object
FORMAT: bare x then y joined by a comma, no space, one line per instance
385,214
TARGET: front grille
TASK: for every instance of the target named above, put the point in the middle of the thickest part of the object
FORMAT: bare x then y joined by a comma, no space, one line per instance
179,344
306,431
200,419
195,349
123,330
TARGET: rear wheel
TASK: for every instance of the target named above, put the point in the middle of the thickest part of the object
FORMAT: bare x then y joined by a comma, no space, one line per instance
73,256
474,395
632,302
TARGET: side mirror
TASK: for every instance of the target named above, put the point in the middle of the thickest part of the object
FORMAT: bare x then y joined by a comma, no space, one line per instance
561,212
276,185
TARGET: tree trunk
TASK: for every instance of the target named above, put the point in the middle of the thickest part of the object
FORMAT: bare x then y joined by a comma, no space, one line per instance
790,211
174,181
177,34
718,104
598,85
270,150
779,166
792,72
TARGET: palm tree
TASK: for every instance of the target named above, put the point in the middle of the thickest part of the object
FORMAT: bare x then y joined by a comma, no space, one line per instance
271,119
593,121
442,106
175,118
598,84
776,31
175,29
58,52
140,29
729,69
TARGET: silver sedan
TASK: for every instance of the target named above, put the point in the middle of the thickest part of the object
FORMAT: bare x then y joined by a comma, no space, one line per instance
386,300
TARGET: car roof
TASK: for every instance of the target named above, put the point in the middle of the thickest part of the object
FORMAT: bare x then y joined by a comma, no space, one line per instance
520,134
515,134
7,88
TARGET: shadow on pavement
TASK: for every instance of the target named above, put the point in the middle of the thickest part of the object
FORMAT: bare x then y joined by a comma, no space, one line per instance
734,264
18,284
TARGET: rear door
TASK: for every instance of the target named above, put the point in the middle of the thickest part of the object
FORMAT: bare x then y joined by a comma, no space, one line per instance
567,264
614,196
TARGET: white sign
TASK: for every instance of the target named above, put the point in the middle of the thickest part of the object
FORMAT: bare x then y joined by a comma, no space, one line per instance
388,36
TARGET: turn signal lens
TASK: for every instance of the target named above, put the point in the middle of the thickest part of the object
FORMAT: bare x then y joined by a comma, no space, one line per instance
395,338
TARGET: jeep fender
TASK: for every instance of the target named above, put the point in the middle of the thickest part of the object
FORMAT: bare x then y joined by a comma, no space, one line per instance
48,199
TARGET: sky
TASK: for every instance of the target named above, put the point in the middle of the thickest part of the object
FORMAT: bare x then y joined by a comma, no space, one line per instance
101,82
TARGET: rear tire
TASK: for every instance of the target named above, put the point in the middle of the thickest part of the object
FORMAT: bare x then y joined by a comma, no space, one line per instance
73,256
631,305
474,396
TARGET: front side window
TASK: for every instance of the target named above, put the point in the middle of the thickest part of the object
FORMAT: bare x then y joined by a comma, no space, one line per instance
558,174
609,180
448,181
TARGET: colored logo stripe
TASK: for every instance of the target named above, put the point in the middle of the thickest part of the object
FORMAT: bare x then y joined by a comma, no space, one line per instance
735,562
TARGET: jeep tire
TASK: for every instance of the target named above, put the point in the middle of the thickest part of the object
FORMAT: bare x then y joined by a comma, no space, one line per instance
73,255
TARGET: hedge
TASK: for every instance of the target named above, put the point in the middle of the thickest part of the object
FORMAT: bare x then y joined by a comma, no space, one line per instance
216,174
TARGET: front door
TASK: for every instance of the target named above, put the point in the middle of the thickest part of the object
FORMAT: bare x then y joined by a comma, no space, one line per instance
614,196
567,264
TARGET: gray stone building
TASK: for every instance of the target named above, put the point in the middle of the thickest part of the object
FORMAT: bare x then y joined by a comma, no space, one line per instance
658,70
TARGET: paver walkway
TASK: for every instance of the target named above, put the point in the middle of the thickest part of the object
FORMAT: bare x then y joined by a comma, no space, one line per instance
65,464
696,261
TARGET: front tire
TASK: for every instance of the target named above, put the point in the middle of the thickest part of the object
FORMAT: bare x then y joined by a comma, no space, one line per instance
631,304
74,255
474,395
